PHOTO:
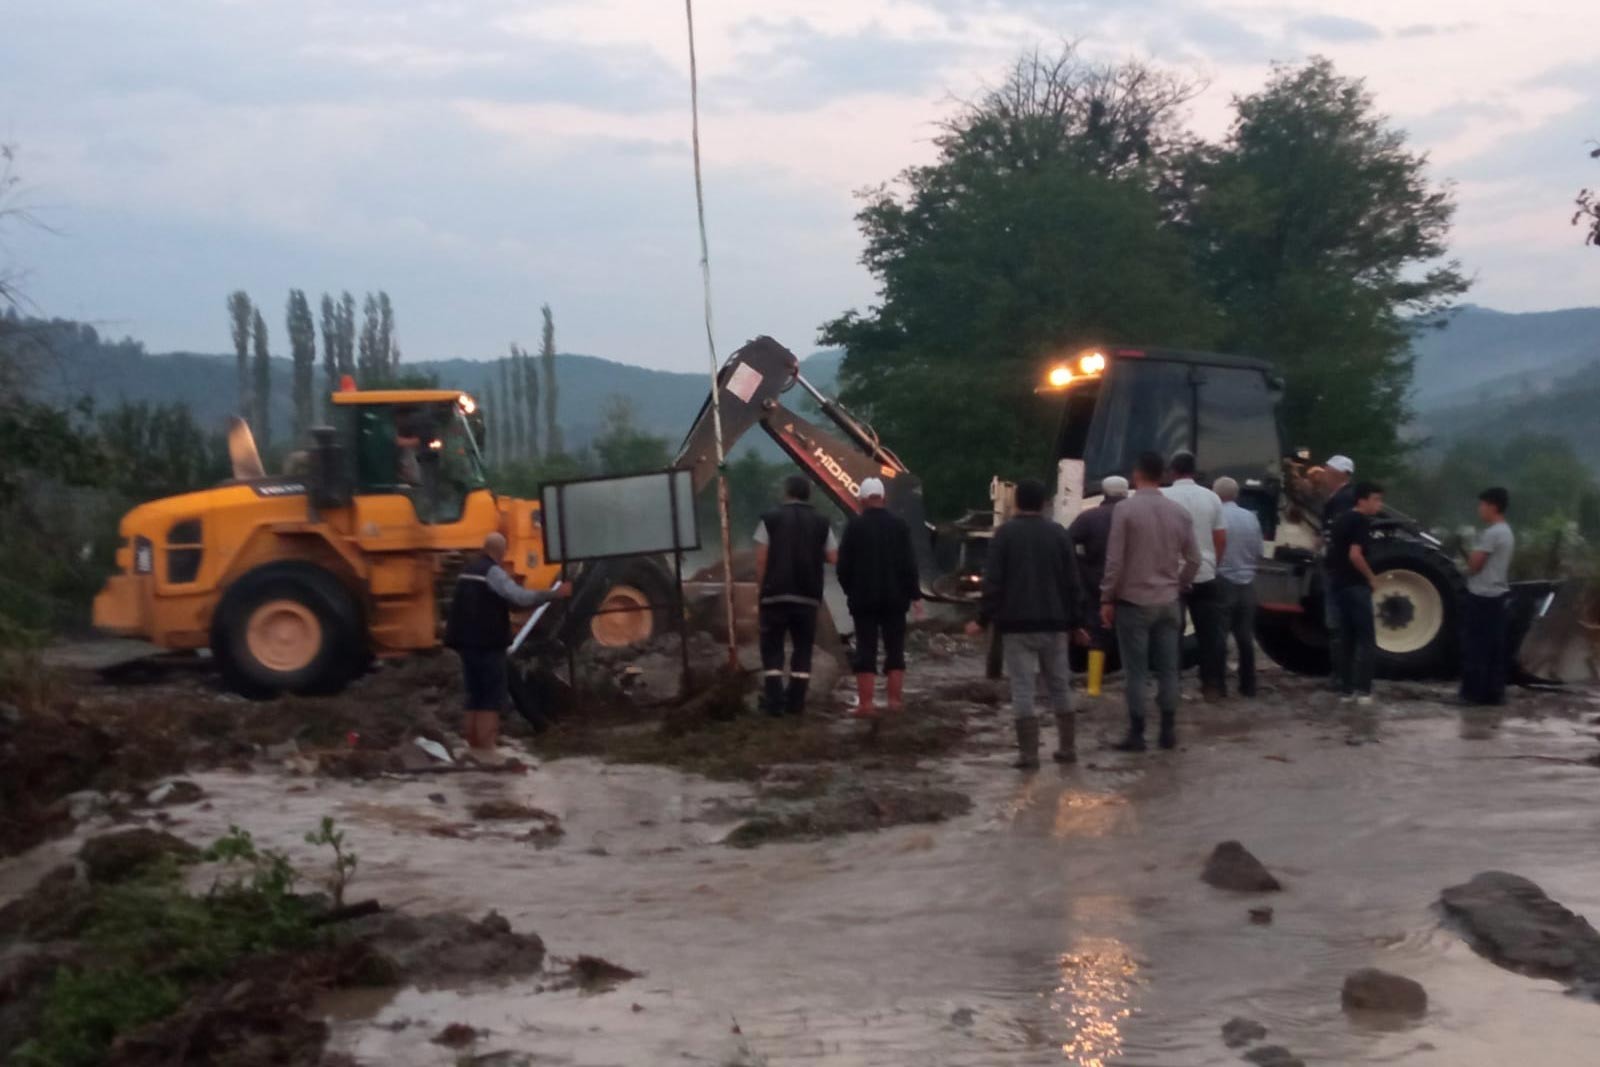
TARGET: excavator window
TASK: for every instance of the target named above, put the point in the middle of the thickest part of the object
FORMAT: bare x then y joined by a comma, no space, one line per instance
423,451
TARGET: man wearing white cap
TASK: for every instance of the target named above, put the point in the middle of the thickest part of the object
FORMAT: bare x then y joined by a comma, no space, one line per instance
877,570
1337,475
1091,532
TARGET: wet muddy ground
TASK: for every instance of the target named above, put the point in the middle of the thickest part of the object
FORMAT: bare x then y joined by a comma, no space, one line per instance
1055,918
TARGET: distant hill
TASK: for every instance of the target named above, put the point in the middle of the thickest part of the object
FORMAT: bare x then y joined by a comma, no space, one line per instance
79,364
1484,353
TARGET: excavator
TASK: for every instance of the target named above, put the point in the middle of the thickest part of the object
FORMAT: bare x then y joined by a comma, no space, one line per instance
1113,403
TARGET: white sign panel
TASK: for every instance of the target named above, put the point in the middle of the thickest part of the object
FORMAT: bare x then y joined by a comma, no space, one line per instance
627,516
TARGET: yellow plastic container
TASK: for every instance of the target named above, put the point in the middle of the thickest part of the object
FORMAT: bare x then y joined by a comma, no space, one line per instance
1097,670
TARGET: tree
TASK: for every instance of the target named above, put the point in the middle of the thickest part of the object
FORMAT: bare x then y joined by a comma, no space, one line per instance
156,450
622,447
508,437
530,398
1321,237
1038,229
347,334
262,415
369,363
330,347
1588,213
547,359
239,314
518,405
303,348
387,351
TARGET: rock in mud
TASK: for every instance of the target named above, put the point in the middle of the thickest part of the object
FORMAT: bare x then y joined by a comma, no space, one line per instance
179,791
57,907
1513,922
1273,1056
1231,866
456,1035
593,974
853,807
1261,916
1239,1032
1372,990
432,949
115,856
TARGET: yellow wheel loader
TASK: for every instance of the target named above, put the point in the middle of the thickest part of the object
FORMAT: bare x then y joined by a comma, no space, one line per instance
296,582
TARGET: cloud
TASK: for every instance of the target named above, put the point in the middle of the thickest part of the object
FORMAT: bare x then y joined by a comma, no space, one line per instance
1433,29
1336,29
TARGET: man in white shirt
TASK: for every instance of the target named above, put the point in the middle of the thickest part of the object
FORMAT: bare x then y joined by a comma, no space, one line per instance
1485,618
1236,577
1203,599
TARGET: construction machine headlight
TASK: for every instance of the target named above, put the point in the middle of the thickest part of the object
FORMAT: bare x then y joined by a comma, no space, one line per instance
1060,377
1093,363
467,404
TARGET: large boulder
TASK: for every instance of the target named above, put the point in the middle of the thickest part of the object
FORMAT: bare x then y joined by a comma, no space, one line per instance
1513,922
444,948
1231,866
1372,990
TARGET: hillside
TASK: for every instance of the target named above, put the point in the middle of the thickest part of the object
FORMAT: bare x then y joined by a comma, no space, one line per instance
1482,352
81,364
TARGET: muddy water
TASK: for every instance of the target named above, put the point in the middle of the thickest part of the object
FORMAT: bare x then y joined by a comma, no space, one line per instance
1062,922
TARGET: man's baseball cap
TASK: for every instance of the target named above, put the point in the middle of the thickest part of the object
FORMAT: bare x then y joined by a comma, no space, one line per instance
1342,464
870,487
1115,485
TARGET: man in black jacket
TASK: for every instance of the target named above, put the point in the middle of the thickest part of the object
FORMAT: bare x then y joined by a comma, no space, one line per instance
479,629
793,543
878,572
1033,596
1091,534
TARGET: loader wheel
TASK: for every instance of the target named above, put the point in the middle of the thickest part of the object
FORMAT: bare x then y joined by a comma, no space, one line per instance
1417,603
286,628
1295,641
635,608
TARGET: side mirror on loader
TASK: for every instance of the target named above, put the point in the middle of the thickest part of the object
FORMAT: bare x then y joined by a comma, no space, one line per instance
329,487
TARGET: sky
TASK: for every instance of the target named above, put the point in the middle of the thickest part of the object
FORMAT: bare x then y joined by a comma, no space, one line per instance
476,158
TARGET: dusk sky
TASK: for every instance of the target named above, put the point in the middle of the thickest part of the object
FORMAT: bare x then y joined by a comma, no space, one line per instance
478,157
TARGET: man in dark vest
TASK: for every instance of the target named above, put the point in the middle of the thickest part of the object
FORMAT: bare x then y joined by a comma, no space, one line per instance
878,573
479,629
793,543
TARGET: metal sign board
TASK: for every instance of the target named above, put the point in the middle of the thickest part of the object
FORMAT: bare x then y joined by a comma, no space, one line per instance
629,515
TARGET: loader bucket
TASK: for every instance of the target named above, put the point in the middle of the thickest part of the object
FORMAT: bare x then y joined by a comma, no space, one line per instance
1562,636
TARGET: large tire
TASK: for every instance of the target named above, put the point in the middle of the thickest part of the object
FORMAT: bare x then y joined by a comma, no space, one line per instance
287,628
1295,641
636,607
1418,606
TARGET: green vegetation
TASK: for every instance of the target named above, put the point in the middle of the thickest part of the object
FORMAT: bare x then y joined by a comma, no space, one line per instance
1070,207
1587,214
155,944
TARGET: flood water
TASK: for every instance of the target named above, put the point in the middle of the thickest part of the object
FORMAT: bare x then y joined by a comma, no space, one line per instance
1062,922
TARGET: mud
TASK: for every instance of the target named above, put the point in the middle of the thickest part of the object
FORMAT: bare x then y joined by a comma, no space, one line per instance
1048,918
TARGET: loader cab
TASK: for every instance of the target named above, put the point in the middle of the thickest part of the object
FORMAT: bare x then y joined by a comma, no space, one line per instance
1121,401
421,444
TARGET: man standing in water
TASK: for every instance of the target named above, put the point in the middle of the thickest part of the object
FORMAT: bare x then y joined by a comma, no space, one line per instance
793,543
1090,532
1151,559
1350,584
1236,576
479,629
1032,596
1484,618
878,571
1203,598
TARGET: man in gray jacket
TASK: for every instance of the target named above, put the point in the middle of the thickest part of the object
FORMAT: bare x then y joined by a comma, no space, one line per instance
1033,598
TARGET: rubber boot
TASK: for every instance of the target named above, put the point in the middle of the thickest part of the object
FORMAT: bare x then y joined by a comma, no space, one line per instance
866,686
795,701
1066,737
1169,730
1027,744
772,695
1134,742
897,691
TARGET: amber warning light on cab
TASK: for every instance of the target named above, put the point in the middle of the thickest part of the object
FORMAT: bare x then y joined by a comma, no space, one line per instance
1066,373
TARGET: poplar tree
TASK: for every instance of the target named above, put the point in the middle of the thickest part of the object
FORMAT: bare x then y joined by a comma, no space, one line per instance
263,383
303,348
547,359
239,313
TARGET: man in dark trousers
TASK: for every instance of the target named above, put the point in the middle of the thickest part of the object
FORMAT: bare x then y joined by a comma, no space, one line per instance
1484,618
1033,597
1350,584
479,629
878,571
1151,560
1336,483
1203,598
1090,532
793,543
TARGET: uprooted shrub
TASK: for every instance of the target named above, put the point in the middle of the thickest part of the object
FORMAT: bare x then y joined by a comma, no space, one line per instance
150,944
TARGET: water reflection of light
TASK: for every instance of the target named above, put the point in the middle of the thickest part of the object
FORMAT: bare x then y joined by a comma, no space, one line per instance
1093,999
1080,813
